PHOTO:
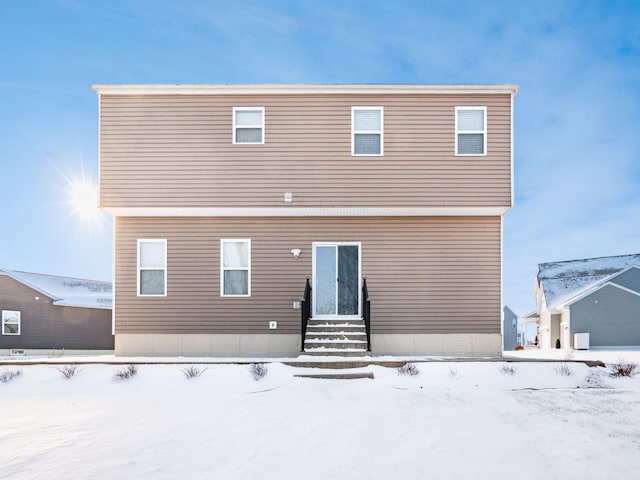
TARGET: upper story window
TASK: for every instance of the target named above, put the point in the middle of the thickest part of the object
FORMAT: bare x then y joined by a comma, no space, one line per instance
235,268
10,322
152,268
248,125
366,130
471,130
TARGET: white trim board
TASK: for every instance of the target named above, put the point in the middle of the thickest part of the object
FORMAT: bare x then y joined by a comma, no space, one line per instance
492,211
302,89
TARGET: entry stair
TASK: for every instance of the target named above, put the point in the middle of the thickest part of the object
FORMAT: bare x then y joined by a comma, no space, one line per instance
336,338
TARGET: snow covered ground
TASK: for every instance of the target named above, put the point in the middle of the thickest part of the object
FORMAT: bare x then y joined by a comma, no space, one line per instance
467,420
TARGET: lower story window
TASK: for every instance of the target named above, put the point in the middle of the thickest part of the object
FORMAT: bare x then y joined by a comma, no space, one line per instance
152,267
235,260
10,322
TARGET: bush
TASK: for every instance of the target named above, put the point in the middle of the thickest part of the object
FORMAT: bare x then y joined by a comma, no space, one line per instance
258,370
622,368
594,380
192,372
518,348
453,373
508,369
127,372
564,369
408,369
69,371
8,375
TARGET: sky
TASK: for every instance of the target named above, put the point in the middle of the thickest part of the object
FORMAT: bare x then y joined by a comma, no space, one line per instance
576,118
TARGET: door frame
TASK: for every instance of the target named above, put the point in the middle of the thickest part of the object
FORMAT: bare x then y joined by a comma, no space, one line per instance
336,316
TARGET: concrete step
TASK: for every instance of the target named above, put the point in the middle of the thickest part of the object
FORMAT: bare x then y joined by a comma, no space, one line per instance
340,363
335,322
338,343
336,328
336,376
335,352
333,336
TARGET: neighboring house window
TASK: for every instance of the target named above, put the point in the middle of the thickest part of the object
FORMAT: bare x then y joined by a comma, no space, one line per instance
152,268
366,130
10,322
471,130
248,125
236,268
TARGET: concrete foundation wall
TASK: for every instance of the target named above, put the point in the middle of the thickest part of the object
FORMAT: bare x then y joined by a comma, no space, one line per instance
207,345
258,345
452,344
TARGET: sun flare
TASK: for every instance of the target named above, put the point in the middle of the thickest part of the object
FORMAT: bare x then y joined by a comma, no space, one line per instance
84,199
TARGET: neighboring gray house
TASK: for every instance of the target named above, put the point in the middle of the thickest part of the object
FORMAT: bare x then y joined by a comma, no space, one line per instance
45,313
509,329
599,296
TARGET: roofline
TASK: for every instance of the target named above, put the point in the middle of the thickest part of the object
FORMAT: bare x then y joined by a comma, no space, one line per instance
589,289
596,288
55,300
10,274
301,89
584,259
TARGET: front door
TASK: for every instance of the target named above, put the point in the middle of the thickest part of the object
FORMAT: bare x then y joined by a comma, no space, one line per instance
336,280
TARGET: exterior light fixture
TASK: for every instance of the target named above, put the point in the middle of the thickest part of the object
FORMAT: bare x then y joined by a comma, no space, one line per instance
296,252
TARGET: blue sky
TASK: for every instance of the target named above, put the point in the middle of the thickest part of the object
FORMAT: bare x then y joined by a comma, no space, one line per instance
577,116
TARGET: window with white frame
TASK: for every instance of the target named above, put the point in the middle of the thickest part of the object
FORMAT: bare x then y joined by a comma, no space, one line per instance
10,322
366,130
471,130
235,262
248,125
152,268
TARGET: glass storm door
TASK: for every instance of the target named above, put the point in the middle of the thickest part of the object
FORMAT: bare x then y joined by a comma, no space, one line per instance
336,277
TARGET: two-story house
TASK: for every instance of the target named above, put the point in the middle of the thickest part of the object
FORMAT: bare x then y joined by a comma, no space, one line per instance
226,199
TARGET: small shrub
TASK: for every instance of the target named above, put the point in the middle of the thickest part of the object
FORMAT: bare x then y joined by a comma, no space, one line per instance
622,368
126,372
192,372
453,373
508,369
518,348
7,375
594,380
69,371
564,369
408,369
258,370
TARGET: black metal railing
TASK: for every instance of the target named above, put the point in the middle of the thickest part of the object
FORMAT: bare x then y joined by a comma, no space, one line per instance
305,312
366,312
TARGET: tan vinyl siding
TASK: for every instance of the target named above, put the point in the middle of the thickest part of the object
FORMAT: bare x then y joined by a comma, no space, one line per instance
425,275
177,151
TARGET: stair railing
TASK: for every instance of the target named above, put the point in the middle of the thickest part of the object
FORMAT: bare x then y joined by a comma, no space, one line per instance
366,312
305,312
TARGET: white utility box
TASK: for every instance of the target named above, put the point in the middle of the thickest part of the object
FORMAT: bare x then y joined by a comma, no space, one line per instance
581,341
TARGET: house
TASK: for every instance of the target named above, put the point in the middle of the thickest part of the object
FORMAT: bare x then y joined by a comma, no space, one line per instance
248,217
510,334
599,296
45,313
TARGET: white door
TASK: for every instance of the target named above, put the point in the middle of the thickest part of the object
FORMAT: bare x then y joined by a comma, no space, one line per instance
336,280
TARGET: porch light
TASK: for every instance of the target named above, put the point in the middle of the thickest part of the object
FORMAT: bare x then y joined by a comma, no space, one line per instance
296,252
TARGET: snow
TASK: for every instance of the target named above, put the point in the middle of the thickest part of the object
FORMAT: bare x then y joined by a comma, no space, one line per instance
562,281
463,420
67,291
